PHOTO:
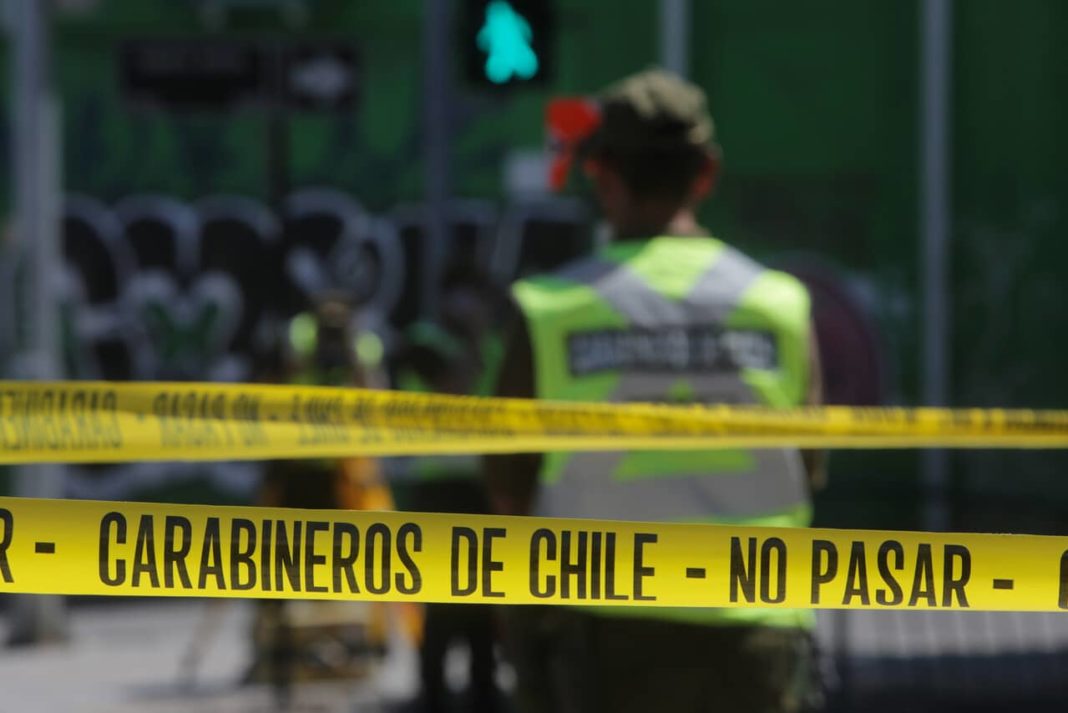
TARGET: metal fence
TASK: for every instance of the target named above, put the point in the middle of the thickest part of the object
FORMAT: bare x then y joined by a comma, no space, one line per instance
945,661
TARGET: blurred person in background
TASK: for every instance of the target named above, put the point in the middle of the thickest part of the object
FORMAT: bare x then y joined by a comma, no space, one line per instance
457,354
301,640
665,313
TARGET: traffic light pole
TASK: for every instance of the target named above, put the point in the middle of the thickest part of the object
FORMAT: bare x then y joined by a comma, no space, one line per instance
936,32
675,16
437,124
36,142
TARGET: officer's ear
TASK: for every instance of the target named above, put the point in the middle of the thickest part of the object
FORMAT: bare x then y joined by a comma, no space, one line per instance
704,184
603,176
593,168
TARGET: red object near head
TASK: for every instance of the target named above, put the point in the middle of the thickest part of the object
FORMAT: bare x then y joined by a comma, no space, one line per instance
569,122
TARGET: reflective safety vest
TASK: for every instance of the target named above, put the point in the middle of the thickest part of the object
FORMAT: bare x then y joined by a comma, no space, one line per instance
684,320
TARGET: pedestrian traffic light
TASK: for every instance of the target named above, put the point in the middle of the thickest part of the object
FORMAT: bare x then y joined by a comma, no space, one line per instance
507,42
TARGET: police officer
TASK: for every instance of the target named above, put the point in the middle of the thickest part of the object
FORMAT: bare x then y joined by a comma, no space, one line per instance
294,642
458,354
664,313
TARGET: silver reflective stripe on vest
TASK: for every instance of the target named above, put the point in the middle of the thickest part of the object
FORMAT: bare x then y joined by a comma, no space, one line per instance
588,487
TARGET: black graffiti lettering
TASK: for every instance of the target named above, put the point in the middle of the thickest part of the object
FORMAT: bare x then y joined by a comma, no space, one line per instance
857,576
641,572
119,522
542,535
955,584
923,583
344,562
145,553
824,566
409,531
242,556
896,595
8,522
211,559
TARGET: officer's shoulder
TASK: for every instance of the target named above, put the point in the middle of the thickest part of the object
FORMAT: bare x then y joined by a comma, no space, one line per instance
765,271
564,288
780,293
574,272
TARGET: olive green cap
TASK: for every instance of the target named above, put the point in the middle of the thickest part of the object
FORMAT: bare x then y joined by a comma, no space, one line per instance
652,109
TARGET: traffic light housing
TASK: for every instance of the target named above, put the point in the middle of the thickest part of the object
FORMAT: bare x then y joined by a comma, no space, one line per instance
507,43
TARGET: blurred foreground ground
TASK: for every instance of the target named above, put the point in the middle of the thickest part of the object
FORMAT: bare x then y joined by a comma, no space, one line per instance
133,655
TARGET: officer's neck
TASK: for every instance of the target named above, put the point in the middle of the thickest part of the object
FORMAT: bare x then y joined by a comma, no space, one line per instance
650,221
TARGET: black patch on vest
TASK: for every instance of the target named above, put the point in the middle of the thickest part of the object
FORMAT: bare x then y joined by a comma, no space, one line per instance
671,349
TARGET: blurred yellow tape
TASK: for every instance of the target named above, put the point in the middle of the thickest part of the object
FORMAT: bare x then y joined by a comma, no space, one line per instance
84,547
100,421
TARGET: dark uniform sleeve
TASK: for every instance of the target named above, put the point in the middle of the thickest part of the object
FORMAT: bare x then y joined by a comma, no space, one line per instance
513,478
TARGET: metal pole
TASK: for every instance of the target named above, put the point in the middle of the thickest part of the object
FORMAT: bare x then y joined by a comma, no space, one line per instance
675,19
37,189
436,136
936,31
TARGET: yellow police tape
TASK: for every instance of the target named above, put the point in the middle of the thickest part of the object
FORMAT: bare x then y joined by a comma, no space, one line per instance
111,422
85,547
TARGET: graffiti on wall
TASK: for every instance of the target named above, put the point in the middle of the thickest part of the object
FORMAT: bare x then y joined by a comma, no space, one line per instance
155,288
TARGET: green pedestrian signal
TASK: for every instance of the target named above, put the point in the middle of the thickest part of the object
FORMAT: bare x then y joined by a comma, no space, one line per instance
506,37
508,43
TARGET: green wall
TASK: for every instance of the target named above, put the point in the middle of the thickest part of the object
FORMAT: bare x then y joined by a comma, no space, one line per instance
816,106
